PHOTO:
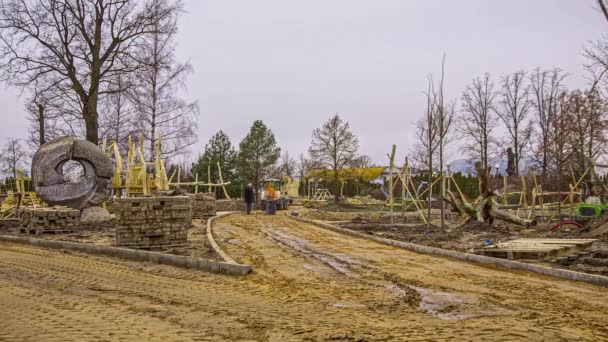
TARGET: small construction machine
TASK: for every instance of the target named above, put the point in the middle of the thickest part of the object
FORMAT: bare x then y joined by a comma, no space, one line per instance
272,192
594,204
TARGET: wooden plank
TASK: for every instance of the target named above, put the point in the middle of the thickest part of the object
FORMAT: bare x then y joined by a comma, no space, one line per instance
553,240
538,249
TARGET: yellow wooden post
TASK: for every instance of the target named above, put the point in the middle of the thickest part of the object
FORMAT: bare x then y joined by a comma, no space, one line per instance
196,181
533,204
540,200
571,200
219,169
179,177
403,188
523,198
209,177
391,200
415,202
504,186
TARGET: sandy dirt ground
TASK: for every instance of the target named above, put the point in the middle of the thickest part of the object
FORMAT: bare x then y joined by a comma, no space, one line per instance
308,284
467,237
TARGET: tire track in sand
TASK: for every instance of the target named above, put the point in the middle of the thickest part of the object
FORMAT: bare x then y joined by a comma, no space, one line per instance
293,294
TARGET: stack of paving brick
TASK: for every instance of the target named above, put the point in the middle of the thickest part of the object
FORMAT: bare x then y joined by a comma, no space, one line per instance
152,222
230,205
203,205
49,220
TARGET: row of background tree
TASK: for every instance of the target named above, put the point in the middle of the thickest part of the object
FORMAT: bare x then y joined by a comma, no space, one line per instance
555,129
107,69
99,69
333,147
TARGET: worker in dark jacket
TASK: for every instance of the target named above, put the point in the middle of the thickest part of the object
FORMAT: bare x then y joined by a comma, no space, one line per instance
249,197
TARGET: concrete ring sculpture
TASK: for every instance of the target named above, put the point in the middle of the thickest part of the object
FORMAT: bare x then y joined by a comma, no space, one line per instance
54,189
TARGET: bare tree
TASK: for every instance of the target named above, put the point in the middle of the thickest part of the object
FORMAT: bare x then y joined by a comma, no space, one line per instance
426,147
561,128
585,113
161,111
12,158
52,112
479,120
513,109
79,44
334,147
39,118
426,132
596,54
603,7
302,166
287,166
118,121
444,118
547,93
418,155
362,161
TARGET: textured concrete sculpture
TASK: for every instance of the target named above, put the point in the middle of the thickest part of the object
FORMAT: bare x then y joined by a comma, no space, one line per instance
52,186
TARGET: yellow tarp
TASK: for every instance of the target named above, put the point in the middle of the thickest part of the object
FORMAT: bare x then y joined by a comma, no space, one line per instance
365,174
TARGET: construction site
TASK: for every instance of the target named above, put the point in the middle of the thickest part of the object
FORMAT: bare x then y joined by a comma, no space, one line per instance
123,254
345,170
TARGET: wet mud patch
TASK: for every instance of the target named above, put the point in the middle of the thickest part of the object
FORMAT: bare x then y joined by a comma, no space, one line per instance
340,262
451,306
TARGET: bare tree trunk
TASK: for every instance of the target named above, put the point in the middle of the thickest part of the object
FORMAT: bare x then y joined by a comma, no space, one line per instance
41,126
603,8
441,175
154,94
430,185
91,120
478,119
430,123
486,209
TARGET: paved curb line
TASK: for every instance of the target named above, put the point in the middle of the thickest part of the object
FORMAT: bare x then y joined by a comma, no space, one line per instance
217,248
137,255
214,244
510,264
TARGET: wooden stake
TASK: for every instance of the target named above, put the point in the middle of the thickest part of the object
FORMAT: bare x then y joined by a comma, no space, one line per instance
523,198
196,186
179,176
415,200
390,182
504,196
209,177
219,169
403,188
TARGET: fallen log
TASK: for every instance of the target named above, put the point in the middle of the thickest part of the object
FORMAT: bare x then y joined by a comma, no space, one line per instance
485,209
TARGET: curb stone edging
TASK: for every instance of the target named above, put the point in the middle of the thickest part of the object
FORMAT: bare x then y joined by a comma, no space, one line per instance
228,260
135,255
510,264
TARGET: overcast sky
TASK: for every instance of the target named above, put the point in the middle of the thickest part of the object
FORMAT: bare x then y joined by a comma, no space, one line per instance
294,63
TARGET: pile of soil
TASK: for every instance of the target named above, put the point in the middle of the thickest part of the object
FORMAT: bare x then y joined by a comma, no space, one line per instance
471,235
460,237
